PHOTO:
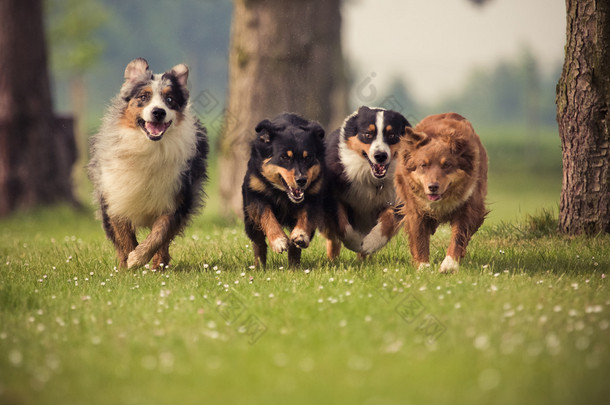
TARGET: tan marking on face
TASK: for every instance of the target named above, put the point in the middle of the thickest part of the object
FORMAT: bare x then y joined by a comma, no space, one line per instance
313,174
272,173
289,153
256,184
305,154
354,144
388,128
372,127
288,176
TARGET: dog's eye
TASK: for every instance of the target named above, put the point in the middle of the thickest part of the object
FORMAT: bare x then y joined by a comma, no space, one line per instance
169,100
143,97
284,157
368,135
447,166
424,165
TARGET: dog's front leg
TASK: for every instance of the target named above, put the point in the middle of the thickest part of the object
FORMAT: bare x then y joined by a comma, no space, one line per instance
302,231
460,236
382,232
274,232
122,234
162,230
419,241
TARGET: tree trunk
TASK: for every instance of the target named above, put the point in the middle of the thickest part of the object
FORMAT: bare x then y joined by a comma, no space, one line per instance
583,96
285,56
36,149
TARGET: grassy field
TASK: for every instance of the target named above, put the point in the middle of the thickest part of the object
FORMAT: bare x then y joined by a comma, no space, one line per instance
526,320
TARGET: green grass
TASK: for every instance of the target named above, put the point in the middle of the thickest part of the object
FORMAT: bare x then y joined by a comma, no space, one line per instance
526,320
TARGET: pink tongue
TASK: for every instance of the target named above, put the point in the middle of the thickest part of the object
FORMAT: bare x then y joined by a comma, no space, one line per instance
434,197
156,128
379,168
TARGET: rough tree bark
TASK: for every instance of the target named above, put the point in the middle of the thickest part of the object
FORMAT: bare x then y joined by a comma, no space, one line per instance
285,56
36,148
583,97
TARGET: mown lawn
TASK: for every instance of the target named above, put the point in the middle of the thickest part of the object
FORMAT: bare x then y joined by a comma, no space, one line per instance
526,320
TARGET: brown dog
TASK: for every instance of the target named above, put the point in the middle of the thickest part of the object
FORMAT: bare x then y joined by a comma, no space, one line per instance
441,177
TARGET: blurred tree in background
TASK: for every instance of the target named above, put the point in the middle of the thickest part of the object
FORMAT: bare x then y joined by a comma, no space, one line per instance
37,148
284,56
583,114
75,48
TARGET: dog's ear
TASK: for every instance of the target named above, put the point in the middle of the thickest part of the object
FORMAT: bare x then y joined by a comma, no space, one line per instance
350,125
363,109
264,131
405,124
315,128
458,145
181,72
463,149
135,69
414,140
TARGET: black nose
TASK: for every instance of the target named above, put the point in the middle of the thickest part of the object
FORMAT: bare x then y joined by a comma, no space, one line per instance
301,181
433,187
380,157
158,114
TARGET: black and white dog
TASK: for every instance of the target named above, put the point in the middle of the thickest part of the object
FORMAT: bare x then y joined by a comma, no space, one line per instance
148,163
360,199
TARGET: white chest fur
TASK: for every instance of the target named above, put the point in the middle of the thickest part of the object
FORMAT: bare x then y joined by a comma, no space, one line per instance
140,178
366,195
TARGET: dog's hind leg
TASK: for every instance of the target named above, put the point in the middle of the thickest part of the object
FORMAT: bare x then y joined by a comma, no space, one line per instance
294,255
162,232
333,248
259,245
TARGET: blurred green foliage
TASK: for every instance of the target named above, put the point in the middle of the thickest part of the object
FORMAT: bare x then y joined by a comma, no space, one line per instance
100,37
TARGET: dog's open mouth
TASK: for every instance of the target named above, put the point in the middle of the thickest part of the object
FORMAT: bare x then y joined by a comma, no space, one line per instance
296,195
434,197
154,130
378,170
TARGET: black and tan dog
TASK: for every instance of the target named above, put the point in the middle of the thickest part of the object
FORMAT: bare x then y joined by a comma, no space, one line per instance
148,163
282,186
360,198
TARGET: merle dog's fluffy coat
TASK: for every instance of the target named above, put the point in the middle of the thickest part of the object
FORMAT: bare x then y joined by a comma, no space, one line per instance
148,163
282,186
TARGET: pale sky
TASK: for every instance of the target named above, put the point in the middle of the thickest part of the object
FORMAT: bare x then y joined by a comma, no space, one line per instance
434,44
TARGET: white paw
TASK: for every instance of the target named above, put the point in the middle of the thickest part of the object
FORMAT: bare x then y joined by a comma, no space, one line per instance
449,265
423,266
279,245
299,238
374,241
134,259
352,239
